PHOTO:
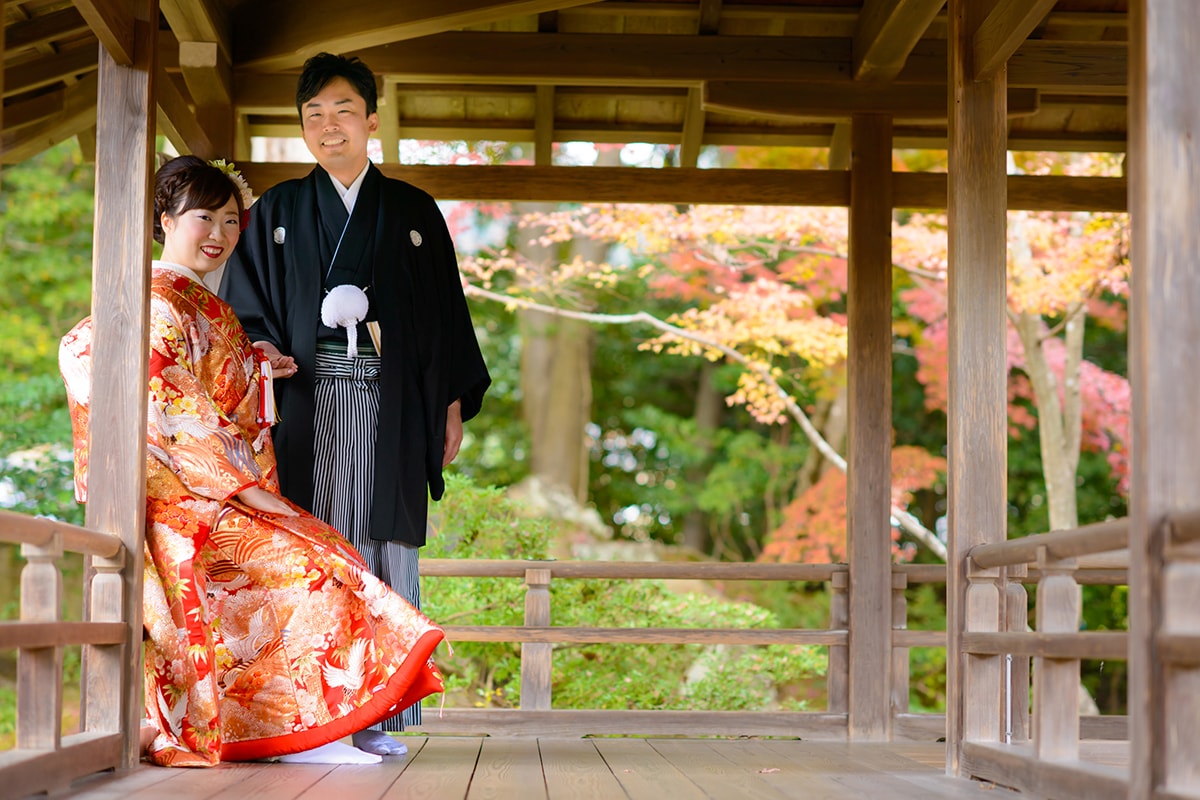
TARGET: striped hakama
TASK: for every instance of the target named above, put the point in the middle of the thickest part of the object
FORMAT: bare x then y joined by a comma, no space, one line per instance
345,425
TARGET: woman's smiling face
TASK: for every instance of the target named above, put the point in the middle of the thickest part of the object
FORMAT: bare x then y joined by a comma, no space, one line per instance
201,239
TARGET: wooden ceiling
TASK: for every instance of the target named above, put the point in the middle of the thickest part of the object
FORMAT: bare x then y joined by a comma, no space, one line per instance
684,72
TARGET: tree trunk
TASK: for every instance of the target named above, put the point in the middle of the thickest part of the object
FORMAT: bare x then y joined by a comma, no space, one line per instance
556,386
709,403
1059,419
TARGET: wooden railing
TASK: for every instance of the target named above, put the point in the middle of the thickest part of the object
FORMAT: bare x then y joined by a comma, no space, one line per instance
1002,742
537,636
43,759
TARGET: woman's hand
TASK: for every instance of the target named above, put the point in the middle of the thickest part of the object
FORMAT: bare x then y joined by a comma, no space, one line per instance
281,366
259,498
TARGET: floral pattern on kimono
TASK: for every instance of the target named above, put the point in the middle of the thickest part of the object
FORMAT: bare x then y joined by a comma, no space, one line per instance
265,634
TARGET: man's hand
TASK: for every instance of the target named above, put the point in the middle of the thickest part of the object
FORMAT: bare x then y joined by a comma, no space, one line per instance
454,433
281,366
258,498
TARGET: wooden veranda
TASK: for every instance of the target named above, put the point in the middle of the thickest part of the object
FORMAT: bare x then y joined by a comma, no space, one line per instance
862,77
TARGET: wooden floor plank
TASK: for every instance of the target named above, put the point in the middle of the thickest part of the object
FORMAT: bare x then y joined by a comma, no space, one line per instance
782,770
508,769
440,770
862,768
643,772
364,782
136,782
720,776
574,768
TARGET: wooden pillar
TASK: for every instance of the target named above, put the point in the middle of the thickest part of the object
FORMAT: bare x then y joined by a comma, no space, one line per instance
977,420
1164,372
536,657
120,310
869,473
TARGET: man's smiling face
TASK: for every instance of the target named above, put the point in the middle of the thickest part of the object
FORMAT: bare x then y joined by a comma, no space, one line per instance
336,129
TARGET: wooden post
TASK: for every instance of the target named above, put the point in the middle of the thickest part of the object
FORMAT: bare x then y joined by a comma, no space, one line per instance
900,666
1056,680
1164,374
869,440
977,429
389,122
837,672
102,711
536,657
39,670
1016,618
120,312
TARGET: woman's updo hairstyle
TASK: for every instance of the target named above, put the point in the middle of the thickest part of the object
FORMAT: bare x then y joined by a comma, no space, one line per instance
189,182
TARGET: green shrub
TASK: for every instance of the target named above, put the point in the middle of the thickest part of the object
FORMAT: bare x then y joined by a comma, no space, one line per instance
478,522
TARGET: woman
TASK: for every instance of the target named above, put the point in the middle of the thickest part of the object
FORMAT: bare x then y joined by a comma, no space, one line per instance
265,635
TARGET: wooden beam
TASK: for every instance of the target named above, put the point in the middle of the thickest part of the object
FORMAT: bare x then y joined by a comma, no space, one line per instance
283,33
1163,699
886,33
206,72
840,100
1005,30
178,121
41,30
112,22
1097,68
48,70
33,110
869,441
573,59
713,186
199,21
120,314
78,114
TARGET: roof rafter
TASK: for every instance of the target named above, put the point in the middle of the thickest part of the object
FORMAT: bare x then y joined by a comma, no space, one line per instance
112,22
282,33
198,21
887,31
48,69
44,29
78,114
1005,30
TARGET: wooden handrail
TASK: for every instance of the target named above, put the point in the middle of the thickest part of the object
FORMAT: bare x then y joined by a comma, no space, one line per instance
1100,537
18,528
1184,526
1107,645
625,570
575,635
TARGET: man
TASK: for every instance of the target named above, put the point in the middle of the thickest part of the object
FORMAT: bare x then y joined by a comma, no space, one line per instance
384,247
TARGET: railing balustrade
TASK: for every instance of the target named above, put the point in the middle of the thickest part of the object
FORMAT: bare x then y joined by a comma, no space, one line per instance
44,760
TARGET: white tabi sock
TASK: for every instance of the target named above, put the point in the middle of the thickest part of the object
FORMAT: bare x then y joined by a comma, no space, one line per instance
332,753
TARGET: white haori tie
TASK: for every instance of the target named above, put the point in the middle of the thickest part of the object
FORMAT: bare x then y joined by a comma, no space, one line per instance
345,306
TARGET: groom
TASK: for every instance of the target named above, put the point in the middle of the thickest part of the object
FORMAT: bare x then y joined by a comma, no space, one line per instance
384,243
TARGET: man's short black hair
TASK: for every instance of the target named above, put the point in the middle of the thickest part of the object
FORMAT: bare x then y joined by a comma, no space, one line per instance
324,67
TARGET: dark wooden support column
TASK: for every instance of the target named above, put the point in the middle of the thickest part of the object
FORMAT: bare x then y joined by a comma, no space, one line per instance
1164,370
120,309
978,406
868,503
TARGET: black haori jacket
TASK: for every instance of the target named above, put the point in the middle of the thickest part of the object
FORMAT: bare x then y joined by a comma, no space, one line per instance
398,241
